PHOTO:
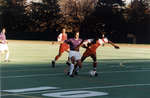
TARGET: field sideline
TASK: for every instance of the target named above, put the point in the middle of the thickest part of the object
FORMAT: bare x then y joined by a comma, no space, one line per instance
123,73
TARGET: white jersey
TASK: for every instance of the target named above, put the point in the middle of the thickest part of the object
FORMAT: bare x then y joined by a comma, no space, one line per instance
103,41
100,41
62,37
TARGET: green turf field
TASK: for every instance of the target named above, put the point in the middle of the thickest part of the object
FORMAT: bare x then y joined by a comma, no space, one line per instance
123,73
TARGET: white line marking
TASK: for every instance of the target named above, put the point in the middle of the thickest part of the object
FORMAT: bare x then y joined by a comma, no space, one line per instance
100,87
38,75
75,94
29,89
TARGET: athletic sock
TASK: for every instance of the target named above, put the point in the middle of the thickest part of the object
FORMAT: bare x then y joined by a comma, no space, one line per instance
77,69
94,69
7,55
71,69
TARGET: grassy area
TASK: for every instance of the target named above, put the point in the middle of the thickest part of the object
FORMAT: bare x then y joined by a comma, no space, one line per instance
122,73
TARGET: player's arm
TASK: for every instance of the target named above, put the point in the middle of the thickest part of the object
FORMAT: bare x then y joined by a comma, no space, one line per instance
87,43
80,45
59,38
67,41
1,41
115,46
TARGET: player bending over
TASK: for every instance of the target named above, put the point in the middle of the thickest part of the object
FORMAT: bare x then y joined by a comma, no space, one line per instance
91,45
3,45
74,54
63,46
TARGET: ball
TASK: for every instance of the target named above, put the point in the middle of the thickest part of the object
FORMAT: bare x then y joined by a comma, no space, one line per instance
92,73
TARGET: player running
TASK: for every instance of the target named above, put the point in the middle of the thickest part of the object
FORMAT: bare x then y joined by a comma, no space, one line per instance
63,46
3,45
74,54
91,45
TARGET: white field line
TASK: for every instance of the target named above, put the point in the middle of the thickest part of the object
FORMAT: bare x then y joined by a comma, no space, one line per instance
63,90
38,75
30,89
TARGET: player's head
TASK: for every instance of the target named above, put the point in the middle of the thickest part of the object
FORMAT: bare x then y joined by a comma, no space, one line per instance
63,30
76,34
3,31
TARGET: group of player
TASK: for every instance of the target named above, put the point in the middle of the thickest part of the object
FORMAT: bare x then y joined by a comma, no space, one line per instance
72,46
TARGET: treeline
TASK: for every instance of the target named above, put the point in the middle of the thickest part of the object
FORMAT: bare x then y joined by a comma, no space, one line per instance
41,20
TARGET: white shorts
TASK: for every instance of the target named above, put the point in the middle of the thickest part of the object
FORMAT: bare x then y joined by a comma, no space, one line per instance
3,47
75,54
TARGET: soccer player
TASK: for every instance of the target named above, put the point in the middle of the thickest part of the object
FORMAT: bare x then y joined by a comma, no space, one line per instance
63,46
91,45
3,45
74,54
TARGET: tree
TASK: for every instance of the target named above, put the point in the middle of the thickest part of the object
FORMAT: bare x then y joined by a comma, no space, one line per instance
139,20
43,14
74,11
12,16
107,17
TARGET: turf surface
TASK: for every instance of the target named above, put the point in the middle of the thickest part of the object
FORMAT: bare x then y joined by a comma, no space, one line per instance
123,73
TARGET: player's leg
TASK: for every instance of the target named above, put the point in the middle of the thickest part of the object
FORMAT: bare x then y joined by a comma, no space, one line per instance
83,58
6,56
72,66
78,63
67,49
68,62
0,56
59,55
93,56
6,51
85,55
61,50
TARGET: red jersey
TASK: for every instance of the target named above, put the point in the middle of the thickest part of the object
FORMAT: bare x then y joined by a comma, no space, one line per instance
98,43
62,37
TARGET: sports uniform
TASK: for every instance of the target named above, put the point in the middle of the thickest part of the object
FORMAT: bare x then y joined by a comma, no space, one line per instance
73,45
3,44
91,50
74,54
62,48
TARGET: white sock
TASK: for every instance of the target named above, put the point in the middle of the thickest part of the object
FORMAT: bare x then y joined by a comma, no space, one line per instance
71,69
7,55
77,69
0,55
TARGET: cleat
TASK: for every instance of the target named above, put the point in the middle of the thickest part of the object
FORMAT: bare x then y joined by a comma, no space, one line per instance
53,64
6,60
76,73
68,73
71,75
96,74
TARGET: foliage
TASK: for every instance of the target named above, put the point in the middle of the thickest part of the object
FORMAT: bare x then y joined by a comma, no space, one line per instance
74,11
33,17
108,17
139,20
43,16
